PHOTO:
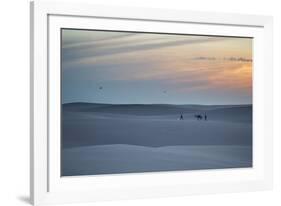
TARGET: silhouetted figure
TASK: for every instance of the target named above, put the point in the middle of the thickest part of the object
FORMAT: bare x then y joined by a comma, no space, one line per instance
205,116
100,87
181,117
198,116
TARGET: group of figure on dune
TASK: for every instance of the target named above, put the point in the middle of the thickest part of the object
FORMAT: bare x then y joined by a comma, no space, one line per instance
197,116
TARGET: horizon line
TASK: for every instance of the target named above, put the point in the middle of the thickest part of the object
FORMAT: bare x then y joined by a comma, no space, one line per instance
248,104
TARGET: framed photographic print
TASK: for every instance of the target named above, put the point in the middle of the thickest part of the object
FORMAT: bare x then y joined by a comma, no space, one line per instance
136,103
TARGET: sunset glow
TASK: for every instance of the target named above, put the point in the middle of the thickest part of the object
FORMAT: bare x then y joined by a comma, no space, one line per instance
155,68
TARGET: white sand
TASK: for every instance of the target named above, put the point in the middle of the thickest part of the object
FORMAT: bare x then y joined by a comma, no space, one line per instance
101,139
109,159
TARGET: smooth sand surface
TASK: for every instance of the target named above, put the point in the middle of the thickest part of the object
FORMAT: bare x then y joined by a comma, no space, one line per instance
112,159
108,139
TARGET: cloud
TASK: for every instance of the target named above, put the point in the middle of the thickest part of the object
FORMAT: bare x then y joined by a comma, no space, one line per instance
234,59
204,58
92,42
184,66
94,50
237,59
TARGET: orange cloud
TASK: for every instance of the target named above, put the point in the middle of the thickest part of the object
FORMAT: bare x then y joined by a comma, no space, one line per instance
236,78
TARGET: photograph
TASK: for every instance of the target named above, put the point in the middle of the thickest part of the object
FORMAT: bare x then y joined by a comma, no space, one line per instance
137,102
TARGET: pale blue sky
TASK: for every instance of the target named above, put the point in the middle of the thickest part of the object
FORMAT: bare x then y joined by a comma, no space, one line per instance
142,68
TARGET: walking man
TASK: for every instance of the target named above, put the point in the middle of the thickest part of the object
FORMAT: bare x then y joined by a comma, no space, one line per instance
181,117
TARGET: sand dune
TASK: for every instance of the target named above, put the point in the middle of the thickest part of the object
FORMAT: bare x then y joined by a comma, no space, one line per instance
151,109
225,126
108,159
106,138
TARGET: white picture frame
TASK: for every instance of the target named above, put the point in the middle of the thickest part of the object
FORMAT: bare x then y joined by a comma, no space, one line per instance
46,185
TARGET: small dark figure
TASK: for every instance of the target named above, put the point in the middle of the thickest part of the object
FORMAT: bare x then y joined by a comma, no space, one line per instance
205,116
181,117
198,116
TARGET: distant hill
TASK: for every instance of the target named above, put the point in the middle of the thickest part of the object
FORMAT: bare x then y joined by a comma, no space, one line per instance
158,109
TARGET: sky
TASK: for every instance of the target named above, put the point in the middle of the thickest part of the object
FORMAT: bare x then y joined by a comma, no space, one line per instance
149,68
